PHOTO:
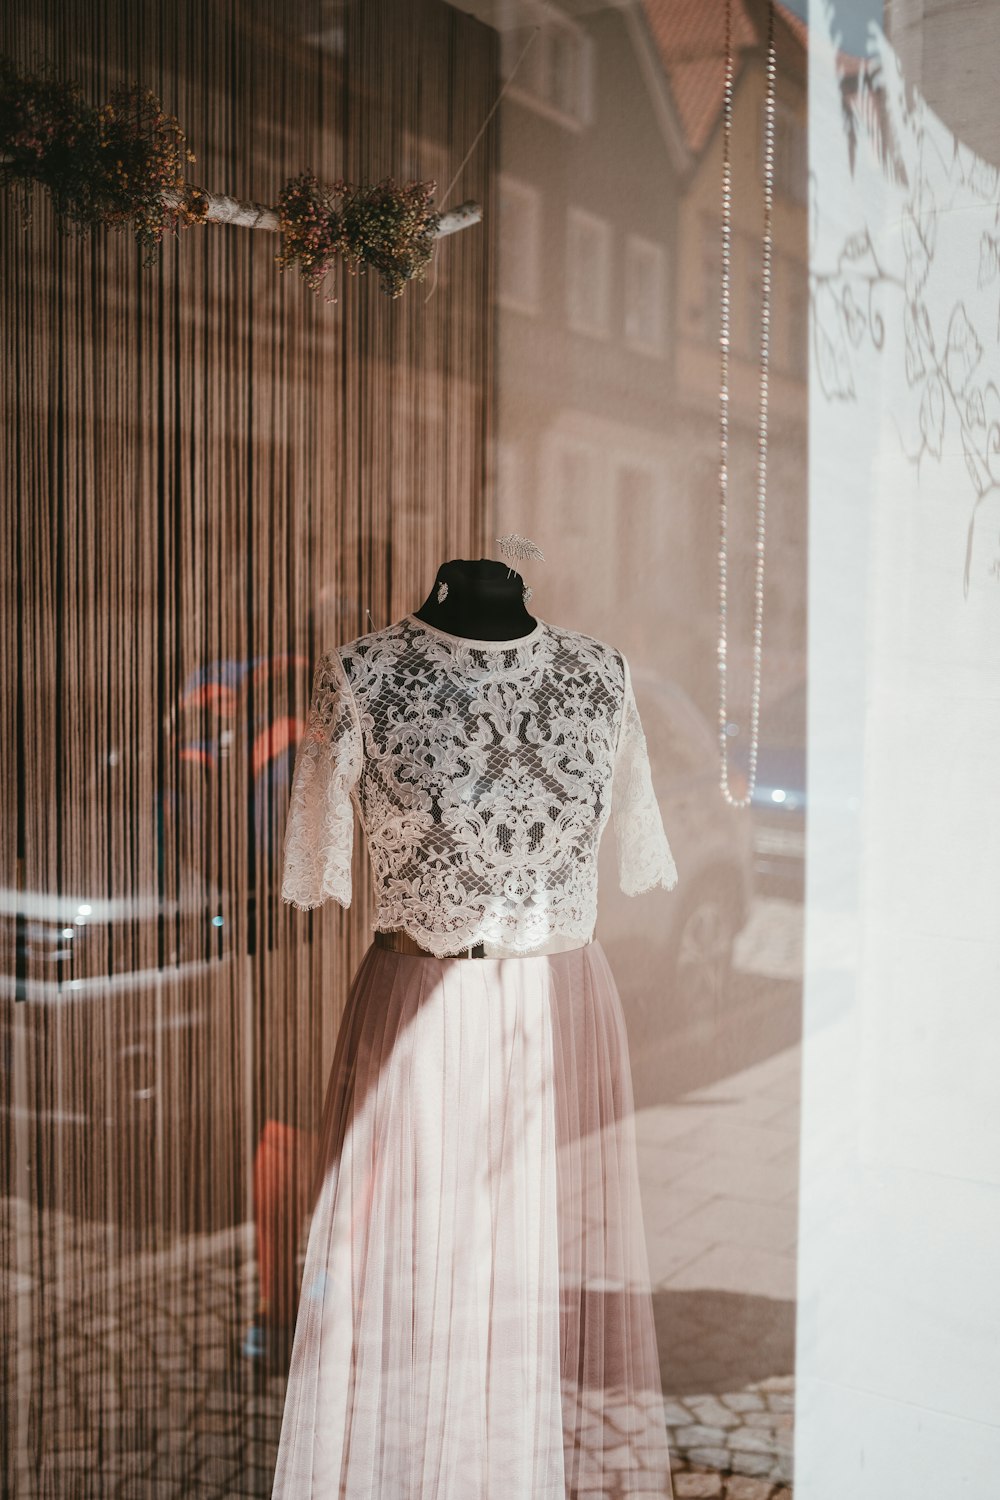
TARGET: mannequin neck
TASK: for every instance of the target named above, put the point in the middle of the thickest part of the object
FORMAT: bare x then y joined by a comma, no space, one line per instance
484,601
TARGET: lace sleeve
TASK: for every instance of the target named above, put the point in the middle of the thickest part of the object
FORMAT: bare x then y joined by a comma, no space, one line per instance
644,857
319,832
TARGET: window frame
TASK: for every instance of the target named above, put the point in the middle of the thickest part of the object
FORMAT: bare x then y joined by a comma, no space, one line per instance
549,21
516,187
576,321
641,245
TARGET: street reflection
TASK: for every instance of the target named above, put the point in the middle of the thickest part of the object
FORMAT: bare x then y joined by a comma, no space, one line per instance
609,284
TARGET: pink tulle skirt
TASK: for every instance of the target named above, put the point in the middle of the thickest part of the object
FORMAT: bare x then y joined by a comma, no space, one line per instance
475,1320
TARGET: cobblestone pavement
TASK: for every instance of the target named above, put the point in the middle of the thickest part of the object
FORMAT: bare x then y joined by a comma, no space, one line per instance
146,1396
719,1172
708,1484
124,1377
746,1434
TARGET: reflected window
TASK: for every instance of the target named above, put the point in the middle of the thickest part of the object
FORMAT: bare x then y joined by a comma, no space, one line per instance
791,154
645,295
573,477
519,256
588,273
556,73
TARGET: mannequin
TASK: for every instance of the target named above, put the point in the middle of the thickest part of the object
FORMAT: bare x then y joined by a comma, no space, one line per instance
484,601
482,769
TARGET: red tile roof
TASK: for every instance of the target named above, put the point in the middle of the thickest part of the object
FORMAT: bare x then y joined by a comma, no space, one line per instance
690,37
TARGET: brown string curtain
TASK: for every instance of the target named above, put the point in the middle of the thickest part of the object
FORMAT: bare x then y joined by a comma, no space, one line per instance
209,475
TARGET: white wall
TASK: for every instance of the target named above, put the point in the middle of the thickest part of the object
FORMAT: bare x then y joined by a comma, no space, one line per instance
898,1352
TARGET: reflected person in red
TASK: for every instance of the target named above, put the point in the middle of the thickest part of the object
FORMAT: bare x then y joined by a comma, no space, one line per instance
224,713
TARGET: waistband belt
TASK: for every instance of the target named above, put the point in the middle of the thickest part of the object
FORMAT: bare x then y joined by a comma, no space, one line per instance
401,942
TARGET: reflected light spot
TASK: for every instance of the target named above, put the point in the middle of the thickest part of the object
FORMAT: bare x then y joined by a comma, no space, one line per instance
777,795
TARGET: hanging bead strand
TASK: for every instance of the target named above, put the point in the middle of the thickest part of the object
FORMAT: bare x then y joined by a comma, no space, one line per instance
762,409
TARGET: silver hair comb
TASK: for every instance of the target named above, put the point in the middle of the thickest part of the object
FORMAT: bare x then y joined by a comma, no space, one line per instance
516,548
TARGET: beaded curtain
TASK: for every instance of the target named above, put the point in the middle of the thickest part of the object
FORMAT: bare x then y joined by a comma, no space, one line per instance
209,476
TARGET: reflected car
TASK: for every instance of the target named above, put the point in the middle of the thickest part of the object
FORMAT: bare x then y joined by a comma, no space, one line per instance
112,1043
778,804
675,953
123,1011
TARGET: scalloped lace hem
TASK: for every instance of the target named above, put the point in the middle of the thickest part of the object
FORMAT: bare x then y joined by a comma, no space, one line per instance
667,879
311,903
454,945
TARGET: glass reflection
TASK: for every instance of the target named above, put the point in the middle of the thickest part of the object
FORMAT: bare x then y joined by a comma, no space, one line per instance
609,271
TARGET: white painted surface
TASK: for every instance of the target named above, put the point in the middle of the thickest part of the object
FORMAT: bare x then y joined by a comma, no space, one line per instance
898,1339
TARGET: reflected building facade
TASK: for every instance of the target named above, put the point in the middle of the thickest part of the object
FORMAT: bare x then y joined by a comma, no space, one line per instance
608,266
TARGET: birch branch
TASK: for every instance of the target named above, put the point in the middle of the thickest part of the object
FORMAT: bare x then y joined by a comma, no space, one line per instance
225,210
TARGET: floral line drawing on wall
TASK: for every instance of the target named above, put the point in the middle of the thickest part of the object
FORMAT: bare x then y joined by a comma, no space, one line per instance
906,290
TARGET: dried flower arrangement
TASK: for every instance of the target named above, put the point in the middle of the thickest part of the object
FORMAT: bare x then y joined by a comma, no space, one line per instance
122,165
387,227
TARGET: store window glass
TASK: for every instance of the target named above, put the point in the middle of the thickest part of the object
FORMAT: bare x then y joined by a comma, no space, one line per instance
448,1059
898,1125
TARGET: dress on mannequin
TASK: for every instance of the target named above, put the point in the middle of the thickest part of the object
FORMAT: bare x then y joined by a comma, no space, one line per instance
475,1315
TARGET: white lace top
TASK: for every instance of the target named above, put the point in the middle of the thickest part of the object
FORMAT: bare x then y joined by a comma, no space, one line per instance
483,773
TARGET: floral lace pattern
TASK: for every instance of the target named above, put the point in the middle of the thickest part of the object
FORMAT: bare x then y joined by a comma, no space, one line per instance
484,773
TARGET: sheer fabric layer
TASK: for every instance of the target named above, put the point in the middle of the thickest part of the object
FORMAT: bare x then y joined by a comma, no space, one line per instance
475,1315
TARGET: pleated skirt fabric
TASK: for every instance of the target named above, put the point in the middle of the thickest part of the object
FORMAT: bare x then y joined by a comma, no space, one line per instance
475,1319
